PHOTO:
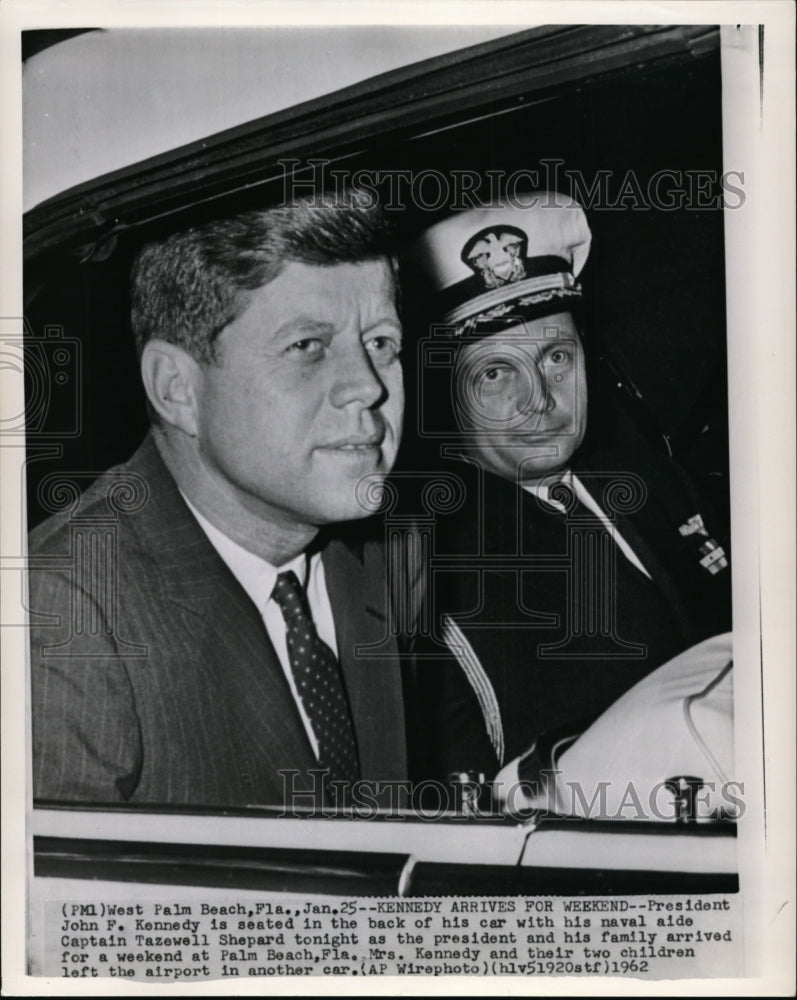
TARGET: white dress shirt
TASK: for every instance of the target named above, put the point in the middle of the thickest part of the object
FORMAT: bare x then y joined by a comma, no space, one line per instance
257,577
568,479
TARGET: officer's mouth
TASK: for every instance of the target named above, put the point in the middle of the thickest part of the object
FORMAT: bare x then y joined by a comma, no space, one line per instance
531,436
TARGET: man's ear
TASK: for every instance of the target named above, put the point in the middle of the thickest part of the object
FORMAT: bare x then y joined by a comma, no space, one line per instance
172,382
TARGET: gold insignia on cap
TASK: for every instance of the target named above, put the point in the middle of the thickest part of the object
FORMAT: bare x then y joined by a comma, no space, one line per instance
497,254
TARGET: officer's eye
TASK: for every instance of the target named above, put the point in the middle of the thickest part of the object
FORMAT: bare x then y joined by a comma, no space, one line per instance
496,376
383,348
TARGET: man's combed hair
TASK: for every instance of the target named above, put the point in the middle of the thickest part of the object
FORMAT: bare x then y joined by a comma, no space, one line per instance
188,287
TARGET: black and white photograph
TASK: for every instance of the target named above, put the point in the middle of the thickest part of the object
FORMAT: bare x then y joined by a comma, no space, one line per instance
398,494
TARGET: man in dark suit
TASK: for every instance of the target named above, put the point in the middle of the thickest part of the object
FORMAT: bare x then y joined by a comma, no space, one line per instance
199,620
561,578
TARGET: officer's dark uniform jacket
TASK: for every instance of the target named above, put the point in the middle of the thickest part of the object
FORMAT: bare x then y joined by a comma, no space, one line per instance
557,623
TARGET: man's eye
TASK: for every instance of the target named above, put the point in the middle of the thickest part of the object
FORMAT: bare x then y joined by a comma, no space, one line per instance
309,347
496,375
383,348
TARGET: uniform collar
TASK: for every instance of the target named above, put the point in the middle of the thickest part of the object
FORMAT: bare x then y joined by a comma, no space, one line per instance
542,490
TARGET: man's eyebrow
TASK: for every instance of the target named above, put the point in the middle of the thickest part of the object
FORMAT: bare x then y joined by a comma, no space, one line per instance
303,324
551,343
383,321
312,327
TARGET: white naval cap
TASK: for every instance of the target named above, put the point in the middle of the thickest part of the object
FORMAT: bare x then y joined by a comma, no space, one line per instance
489,265
673,729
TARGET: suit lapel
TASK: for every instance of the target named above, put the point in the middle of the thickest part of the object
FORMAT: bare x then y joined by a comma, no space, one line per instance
660,575
229,634
357,590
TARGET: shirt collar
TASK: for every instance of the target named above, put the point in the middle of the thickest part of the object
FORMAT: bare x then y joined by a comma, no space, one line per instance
542,489
255,574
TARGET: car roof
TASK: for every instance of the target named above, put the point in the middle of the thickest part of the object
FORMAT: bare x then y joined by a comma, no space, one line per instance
102,100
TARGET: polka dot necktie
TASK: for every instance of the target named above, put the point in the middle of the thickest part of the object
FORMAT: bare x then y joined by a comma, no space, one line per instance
318,681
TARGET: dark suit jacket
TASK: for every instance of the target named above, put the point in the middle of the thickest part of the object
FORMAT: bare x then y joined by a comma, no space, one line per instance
154,680
534,626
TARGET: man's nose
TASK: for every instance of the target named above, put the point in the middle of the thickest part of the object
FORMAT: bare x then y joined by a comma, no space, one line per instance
538,397
356,380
